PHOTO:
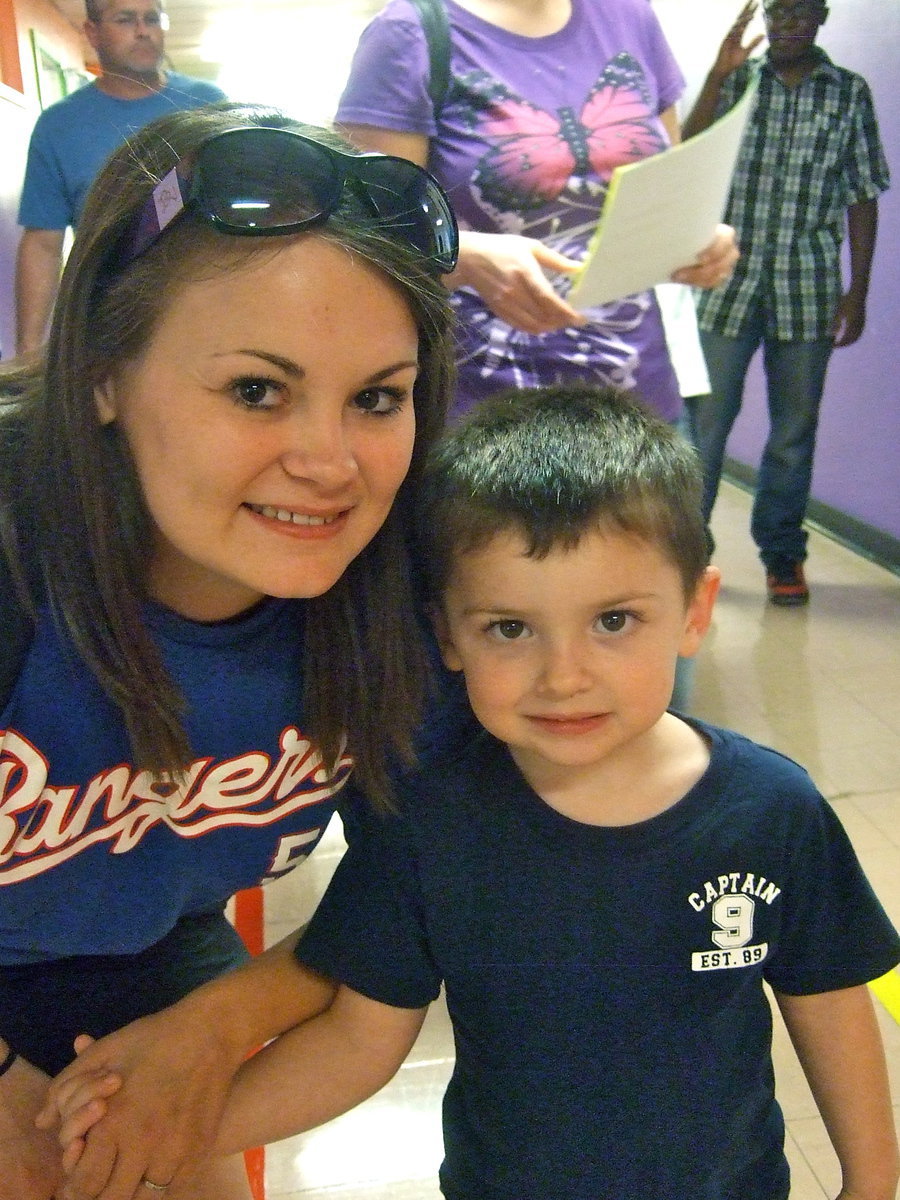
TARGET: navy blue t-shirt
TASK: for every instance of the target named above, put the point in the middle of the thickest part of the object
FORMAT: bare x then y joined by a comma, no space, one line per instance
605,984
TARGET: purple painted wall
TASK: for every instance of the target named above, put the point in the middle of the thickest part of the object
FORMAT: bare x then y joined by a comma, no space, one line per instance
857,468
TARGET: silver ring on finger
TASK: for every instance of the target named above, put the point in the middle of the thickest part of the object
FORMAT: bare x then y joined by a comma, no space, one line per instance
154,1187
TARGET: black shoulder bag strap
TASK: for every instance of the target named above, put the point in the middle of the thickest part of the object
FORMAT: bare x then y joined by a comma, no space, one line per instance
436,27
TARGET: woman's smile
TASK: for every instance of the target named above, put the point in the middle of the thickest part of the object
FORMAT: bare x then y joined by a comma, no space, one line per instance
298,521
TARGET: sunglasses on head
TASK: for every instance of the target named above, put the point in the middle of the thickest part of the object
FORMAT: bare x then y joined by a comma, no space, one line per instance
261,182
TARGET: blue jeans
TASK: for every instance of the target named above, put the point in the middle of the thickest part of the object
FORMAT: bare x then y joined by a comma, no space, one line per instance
795,378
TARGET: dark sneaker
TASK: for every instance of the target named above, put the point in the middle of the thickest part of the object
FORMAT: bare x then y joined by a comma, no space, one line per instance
786,585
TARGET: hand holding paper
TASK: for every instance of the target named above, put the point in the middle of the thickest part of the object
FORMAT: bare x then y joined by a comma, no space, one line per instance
661,212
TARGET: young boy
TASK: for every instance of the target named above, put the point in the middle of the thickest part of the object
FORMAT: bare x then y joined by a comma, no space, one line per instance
601,886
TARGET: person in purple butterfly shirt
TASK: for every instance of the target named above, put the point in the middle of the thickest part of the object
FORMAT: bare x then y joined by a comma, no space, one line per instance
546,98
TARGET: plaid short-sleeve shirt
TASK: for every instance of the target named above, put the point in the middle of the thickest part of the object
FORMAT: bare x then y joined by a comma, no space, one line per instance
809,153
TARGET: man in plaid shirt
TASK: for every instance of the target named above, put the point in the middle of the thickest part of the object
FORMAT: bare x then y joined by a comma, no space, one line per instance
811,160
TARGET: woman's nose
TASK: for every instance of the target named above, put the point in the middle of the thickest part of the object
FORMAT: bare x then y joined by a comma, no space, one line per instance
318,449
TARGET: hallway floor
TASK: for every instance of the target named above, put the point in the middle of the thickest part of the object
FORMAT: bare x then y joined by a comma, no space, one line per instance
821,684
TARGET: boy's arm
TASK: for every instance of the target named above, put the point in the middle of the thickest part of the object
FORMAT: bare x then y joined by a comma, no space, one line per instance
317,1071
838,1042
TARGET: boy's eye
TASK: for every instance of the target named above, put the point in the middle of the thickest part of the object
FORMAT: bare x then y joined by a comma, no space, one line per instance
507,631
381,401
615,621
255,392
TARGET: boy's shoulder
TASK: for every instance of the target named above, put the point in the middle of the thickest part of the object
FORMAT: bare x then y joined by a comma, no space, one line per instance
471,751
723,737
736,760
756,791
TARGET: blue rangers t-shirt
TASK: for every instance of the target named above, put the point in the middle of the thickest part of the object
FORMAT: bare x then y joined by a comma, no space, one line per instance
97,857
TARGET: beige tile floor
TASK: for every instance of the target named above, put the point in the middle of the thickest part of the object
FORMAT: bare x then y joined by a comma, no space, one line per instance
821,684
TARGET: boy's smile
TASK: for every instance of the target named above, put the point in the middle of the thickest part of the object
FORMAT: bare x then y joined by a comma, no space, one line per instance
570,659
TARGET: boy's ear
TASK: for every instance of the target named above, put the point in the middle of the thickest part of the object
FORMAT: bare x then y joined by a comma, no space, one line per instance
451,659
699,612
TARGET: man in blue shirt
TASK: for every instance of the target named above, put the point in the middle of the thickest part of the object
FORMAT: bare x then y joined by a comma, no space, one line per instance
74,137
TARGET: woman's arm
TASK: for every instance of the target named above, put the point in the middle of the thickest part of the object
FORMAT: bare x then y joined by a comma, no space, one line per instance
838,1042
671,124
413,146
176,1067
29,1157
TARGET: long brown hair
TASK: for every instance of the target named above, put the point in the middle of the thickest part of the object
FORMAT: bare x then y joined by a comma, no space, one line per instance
70,501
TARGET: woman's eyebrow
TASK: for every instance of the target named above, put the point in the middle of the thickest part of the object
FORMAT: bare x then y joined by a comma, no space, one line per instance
285,364
297,372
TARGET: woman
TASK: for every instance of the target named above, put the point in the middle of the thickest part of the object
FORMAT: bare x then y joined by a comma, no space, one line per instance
204,495
546,98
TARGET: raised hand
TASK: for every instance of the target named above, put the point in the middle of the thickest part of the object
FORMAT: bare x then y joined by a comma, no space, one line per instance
733,53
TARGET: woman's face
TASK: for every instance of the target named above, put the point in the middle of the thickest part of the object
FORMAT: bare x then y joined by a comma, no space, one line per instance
271,422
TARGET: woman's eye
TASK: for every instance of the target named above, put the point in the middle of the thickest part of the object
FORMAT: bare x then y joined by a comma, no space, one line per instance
256,392
507,631
381,400
615,621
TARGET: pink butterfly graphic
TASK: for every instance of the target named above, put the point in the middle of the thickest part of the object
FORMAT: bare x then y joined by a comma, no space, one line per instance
535,152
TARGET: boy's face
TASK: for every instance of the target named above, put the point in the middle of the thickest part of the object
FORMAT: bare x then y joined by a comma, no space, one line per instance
570,659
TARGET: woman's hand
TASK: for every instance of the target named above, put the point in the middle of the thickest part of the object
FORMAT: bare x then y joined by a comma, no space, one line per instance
159,1086
29,1158
714,264
175,1068
507,271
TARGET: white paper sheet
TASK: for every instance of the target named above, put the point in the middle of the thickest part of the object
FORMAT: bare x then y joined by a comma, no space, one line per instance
660,212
